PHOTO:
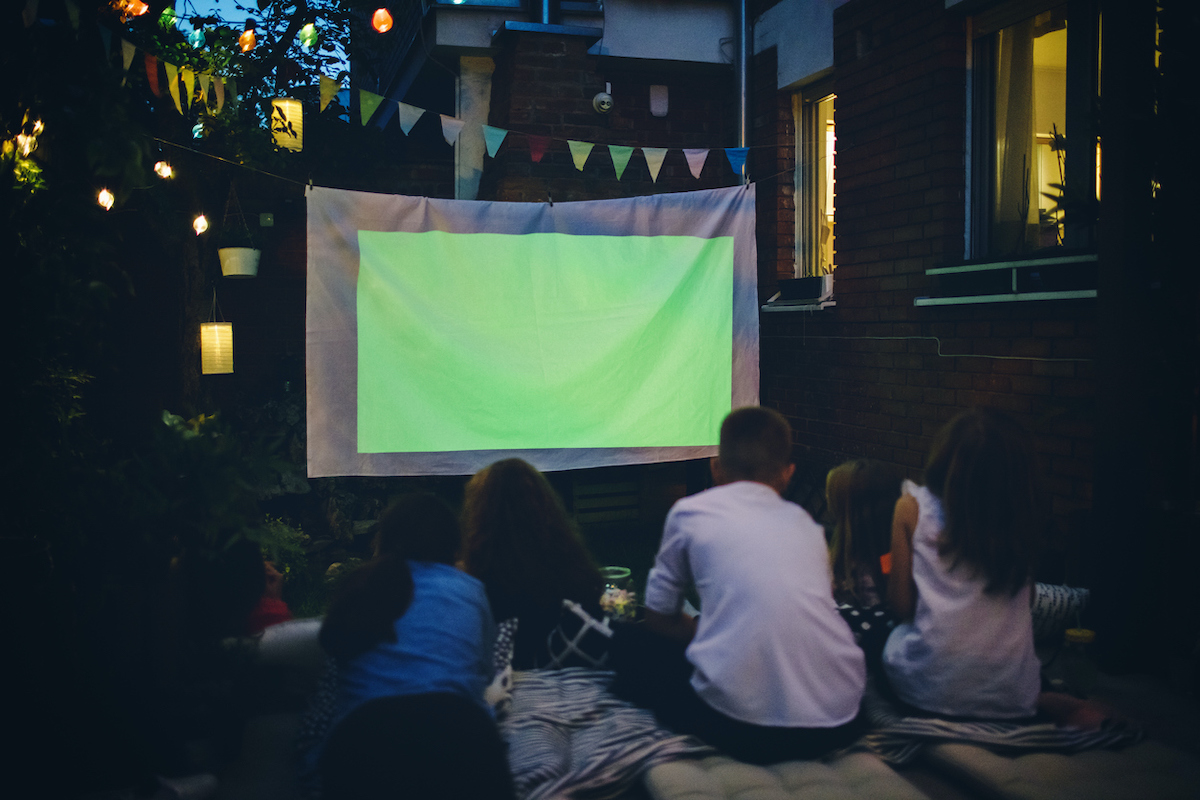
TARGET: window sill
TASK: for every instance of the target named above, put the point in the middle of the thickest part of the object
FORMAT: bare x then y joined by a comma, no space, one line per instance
1060,277
791,306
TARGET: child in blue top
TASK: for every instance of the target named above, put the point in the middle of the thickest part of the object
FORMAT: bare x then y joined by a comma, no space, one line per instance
963,550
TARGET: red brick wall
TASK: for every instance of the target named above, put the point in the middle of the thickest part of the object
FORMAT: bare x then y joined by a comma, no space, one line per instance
772,168
544,85
876,376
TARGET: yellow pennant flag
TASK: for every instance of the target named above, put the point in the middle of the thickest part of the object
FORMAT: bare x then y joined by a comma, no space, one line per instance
367,103
329,90
219,89
189,83
173,83
205,80
580,152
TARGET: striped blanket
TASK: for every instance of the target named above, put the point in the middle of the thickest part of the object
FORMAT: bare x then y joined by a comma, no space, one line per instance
898,739
568,735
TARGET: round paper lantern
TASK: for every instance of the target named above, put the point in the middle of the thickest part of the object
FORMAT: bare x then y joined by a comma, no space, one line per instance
216,348
381,20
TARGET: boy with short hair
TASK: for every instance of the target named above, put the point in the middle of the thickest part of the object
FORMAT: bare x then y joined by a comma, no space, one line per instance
776,673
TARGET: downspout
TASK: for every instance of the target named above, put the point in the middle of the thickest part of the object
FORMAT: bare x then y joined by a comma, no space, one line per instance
743,77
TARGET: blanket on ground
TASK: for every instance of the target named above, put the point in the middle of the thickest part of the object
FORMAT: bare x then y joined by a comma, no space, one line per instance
898,739
568,735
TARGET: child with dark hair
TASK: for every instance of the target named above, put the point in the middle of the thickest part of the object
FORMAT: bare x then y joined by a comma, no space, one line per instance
409,622
521,543
963,550
772,672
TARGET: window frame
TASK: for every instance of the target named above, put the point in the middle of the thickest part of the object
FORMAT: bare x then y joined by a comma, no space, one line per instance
805,103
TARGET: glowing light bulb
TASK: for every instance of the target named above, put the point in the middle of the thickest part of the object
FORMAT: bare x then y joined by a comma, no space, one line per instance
168,18
196,38
105,199
200,224
198,130
137,8
381,20
248,39
26,143
38,127
308,36
163,170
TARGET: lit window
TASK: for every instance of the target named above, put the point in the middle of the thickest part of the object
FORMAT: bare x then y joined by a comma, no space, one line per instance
816,146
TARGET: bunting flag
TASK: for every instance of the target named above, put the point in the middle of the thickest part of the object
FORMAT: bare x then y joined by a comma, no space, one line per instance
620,156
654,160
128,50
189,82
329,90
152,75
493,138
367,103
537,146
105,37
408,116
205,81
29,13
451,128
231,88
219,90
72,13
696,159
173,84
580,152
737,158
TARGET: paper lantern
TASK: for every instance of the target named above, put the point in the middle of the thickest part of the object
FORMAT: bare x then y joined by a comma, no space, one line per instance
200,224
216,348
381,20
308,36
105,198
248,39
287,123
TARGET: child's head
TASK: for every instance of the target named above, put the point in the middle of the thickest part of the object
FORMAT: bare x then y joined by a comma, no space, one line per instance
419,526
756,445
861,495
983,469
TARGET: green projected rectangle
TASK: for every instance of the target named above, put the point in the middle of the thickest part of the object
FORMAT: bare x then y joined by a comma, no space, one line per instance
490,341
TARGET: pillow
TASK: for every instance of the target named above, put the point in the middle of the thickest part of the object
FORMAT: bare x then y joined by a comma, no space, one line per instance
498,694
578,640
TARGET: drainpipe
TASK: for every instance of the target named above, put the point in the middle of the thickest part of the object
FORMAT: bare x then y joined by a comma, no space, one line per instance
743,77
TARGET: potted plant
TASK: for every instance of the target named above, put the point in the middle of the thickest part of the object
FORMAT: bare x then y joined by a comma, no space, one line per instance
237,246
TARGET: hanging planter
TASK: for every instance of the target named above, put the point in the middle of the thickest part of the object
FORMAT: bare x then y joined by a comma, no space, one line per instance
237,247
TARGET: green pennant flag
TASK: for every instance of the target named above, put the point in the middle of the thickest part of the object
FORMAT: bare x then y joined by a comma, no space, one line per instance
367,103
620,156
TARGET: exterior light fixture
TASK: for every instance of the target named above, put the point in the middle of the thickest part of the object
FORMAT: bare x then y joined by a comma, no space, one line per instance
105,199
200,224
381,20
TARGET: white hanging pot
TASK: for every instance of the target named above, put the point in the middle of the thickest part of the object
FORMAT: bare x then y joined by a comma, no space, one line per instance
239,262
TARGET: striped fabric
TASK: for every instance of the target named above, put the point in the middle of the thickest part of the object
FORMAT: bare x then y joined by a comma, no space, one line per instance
898,739
569,735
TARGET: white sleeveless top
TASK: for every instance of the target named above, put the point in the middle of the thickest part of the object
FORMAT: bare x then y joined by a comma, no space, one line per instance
965,653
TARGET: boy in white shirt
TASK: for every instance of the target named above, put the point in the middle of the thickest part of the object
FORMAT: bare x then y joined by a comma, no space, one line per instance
775,671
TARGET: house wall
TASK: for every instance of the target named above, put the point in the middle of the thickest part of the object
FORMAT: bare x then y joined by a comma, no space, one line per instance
876,376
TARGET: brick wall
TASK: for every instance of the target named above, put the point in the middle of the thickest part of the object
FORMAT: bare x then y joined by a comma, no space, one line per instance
772,168
877,376
544,85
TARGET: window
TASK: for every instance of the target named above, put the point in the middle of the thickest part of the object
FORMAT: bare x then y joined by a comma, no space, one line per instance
815,149
1034,138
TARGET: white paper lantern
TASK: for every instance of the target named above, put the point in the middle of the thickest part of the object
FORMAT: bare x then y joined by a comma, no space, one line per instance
287,123
216,348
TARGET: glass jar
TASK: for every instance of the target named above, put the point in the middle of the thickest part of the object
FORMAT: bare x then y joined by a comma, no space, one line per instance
1072,671
618,599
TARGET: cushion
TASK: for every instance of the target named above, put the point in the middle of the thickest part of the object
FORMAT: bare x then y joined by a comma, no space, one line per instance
850,777
1149,769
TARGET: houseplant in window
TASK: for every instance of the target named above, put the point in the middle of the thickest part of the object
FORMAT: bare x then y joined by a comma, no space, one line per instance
237,246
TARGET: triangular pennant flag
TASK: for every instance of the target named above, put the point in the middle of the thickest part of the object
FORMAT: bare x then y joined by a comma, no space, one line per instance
367,103
152,75
329,90
696,159
408,116
231,90
29,13
537,146
580,152
219,89
128,51
737,158
654,160
189,83
105,36
451,127
72,13
620,156
173,84
205,80
493,138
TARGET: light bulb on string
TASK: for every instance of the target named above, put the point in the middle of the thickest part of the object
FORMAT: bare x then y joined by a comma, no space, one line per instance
381,20
163,170
200,224
248,39
105,199
26,143
198,130
308,36
168,18
196,38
